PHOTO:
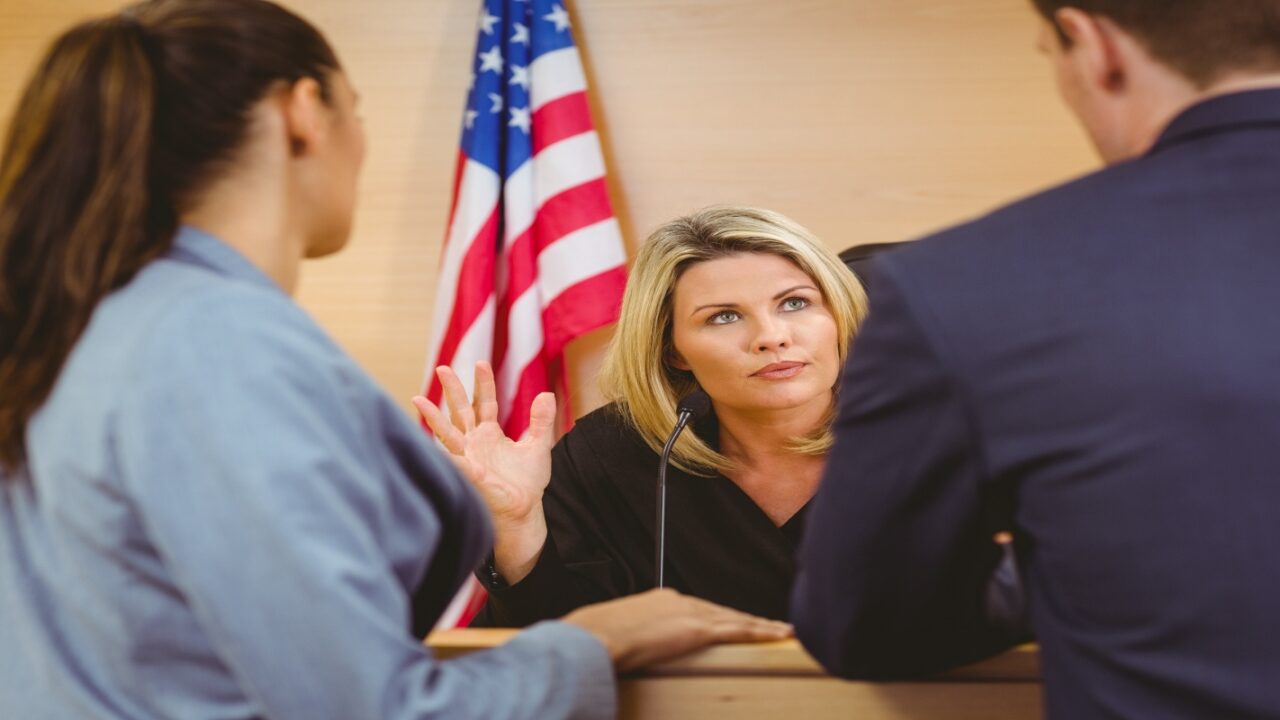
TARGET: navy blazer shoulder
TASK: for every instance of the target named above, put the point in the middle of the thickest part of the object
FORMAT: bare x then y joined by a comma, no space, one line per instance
1103,356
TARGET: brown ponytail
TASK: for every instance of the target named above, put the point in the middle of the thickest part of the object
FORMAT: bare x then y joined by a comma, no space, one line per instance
124,122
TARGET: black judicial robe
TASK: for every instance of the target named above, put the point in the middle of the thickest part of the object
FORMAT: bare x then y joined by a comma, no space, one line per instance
600,508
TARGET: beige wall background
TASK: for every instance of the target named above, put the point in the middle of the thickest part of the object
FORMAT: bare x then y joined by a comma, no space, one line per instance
866,120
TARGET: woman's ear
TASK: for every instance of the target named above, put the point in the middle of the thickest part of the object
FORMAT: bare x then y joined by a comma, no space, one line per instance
305,115
676,360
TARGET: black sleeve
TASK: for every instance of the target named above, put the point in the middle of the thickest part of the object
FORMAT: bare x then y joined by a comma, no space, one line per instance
897,554
579,564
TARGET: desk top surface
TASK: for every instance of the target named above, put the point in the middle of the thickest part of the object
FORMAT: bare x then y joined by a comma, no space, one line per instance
786,657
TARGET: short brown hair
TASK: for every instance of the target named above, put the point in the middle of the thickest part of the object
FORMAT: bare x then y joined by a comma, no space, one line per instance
1201,39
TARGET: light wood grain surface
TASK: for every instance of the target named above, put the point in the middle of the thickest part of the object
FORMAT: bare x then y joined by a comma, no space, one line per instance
785,657
781,680
785,698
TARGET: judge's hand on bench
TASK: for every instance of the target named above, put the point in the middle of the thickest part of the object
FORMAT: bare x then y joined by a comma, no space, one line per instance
660,625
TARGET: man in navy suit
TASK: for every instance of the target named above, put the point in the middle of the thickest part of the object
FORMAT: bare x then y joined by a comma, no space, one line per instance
1097,370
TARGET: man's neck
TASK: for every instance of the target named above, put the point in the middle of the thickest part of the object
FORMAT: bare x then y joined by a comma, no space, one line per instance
1171,98
1241,83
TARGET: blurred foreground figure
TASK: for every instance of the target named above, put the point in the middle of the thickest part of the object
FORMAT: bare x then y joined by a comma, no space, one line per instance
206,508
1092,368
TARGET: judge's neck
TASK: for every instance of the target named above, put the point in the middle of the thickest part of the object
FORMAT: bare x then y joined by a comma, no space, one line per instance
765,438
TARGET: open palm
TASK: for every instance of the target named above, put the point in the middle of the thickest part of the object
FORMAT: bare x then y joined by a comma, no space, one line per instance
510,475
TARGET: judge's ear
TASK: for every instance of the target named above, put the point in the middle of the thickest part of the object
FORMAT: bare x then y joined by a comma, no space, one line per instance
306,116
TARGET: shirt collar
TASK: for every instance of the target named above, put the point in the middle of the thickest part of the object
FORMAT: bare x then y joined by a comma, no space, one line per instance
1222,113
194,246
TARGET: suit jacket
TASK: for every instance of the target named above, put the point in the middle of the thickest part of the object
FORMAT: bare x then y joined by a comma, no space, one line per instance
1098,364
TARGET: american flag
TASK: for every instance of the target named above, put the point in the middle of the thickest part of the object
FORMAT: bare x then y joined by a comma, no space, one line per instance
534,256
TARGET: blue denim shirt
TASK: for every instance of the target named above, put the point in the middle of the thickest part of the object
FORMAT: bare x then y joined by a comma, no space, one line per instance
222,516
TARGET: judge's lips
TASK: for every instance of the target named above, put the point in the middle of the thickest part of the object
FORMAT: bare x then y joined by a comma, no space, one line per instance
779,371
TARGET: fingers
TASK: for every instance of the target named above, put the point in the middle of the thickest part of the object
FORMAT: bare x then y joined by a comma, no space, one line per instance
721,624
661,625
455,395
542,419
453,440
486,401
749,630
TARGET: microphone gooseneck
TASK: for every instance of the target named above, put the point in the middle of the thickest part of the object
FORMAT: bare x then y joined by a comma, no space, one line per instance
691,407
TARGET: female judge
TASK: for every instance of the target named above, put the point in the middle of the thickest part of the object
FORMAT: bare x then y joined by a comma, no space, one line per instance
206,508
743,303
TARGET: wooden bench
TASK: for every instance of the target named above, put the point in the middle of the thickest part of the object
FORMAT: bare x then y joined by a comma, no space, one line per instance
781,680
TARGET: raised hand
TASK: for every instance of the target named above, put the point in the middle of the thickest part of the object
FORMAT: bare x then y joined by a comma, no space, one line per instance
510,475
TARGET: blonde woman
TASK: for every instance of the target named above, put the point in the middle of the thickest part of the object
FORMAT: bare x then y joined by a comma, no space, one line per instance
742,302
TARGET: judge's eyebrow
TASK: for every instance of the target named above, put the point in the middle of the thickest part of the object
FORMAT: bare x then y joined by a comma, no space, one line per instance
790,290
731,306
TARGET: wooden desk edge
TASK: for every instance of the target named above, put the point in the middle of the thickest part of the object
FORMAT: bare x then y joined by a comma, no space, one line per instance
785,658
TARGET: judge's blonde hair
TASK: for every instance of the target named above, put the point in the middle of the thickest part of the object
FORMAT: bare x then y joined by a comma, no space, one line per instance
637,374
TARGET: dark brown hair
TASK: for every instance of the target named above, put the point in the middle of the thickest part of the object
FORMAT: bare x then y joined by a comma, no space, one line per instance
1201,39
124,122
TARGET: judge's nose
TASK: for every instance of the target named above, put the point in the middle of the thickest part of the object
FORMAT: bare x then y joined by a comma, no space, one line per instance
772,335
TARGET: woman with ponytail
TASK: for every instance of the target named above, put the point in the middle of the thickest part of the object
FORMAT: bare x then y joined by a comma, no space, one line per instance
206,508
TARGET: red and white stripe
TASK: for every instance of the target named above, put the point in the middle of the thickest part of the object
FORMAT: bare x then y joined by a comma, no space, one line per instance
558,274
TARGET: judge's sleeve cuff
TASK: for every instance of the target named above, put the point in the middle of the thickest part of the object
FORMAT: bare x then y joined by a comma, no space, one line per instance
532,598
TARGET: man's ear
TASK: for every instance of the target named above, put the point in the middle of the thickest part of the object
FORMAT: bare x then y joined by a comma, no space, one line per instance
1094,47
305,115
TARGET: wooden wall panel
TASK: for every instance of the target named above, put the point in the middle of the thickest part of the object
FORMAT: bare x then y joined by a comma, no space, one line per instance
866,120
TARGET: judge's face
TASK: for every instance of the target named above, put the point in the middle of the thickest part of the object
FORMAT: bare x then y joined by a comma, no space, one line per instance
755,332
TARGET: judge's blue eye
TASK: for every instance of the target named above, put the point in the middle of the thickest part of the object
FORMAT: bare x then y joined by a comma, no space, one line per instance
723,317
795,303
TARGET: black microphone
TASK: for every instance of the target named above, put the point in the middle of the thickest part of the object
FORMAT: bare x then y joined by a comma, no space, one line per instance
691,407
